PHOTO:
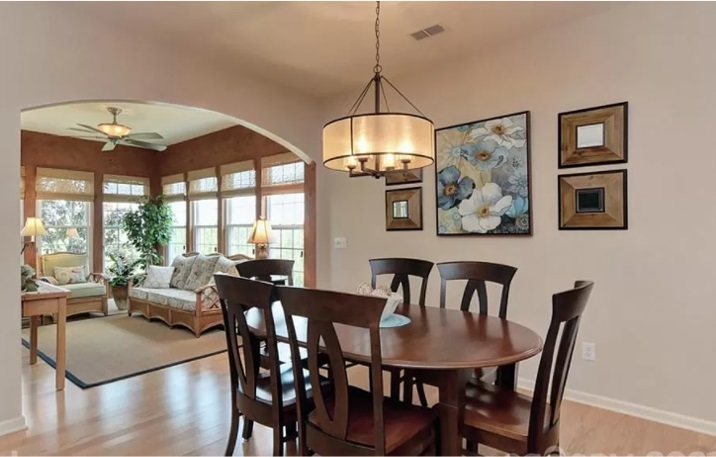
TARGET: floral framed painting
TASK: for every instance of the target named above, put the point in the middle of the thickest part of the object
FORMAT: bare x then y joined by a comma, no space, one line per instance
482,180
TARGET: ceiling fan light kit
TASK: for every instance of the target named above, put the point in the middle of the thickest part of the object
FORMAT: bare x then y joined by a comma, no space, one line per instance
114,133
380,142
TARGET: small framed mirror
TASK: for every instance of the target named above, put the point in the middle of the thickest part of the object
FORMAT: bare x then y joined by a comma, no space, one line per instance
400,209
590,136
590,200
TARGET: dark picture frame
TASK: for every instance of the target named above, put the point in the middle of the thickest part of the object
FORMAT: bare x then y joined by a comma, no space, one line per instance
610,188
614,147
525,155
410,199
399,177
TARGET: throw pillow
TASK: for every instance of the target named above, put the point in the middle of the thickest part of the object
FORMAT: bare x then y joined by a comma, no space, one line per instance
158,277
70,275
182,267
226,266
201,271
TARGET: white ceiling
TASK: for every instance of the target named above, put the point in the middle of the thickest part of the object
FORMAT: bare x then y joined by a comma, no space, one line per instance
323,48
174,123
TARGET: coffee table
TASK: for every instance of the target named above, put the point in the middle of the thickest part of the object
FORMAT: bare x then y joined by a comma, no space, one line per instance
48,299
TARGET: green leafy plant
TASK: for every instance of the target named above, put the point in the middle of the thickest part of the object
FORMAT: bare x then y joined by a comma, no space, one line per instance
148,228
121,269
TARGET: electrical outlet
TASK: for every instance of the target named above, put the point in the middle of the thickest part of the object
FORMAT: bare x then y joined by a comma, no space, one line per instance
589,352
339,243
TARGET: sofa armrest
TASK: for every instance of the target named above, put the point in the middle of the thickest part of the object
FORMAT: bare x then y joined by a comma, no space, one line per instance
98,278
207,298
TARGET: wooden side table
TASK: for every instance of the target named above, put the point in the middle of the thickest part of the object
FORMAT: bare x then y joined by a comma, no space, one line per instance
48,299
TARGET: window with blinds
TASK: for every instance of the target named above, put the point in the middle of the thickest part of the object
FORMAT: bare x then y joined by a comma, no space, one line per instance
174,187
203,183
124,188
238,178
55,184
282,169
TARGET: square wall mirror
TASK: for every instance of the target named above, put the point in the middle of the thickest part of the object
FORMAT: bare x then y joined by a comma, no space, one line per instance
400,209
590,136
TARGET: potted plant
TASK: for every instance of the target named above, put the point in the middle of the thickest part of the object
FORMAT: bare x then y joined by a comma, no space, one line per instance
148,228
27,283
120,271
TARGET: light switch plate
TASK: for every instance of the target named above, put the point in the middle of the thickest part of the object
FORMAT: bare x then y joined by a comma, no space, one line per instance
339,243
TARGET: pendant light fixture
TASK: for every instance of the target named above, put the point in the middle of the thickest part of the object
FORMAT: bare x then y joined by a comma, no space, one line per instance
380,142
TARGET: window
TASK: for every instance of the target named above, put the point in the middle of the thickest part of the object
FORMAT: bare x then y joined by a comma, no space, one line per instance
282,184
115,238
285,212
203,192
206,230
60,217
174,191
238,191
121,195
240,217
64,204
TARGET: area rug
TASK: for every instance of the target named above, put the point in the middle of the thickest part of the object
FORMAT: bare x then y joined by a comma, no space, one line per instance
109,349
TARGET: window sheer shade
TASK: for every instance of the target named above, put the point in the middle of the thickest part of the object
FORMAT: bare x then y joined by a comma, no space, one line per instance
203,184
281,170
123,188
238,179
55,184
174,188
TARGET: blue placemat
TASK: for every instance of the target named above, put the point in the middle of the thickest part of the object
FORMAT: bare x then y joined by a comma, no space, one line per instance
394,320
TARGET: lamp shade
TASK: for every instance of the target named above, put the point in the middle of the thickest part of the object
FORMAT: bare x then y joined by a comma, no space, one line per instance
72,233
260,233
114,129
379,142
33,227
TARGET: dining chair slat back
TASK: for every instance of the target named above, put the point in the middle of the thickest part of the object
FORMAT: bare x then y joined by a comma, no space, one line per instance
264,269
237,296
567,309
477,275
402,269
323,310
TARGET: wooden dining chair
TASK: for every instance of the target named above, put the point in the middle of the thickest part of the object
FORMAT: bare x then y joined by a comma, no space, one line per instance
477,275
402,269
264,269
350,421
515,423
269,399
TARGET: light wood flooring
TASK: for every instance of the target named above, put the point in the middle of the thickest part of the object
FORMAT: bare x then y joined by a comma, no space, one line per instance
184,410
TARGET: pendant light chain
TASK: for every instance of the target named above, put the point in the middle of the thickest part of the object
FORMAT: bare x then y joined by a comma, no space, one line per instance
377,69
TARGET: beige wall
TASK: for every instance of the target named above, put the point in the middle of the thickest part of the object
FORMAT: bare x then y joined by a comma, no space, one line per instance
652,315
50,55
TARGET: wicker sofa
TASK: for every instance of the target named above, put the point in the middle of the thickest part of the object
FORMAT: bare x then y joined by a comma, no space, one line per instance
196,306
85,297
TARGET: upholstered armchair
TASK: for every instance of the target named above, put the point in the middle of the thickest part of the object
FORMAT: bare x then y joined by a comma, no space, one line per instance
88,296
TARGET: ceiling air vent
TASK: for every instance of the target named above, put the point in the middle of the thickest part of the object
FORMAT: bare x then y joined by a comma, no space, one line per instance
428,32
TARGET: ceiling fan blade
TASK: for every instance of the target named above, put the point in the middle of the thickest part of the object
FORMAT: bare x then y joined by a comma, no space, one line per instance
83,130
103,138
144,136
89,127
109,146
143,144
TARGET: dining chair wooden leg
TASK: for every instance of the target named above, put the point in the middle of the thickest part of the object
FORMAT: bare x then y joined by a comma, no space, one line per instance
233,432
395,385
408,383
291,431
421,394
278,440
248,429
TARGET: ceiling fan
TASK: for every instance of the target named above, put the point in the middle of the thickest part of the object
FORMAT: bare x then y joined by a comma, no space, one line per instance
115,133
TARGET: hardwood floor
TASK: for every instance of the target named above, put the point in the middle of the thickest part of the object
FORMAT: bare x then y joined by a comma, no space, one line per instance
184,410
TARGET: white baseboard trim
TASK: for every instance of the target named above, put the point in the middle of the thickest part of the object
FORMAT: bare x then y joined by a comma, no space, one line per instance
633,409
16,424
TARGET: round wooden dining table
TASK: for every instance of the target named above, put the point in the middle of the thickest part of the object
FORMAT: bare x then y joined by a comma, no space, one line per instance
440,346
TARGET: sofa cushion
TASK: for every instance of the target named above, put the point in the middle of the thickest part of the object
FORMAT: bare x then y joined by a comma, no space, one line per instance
70,275
176,298
182,267
139,293
158,277
201,271
86,289
226,265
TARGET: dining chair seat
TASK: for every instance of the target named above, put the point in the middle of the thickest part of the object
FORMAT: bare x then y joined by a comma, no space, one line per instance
503,412
401,421
286,383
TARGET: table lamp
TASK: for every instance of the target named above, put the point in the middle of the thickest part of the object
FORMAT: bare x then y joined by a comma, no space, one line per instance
33,227
260,236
